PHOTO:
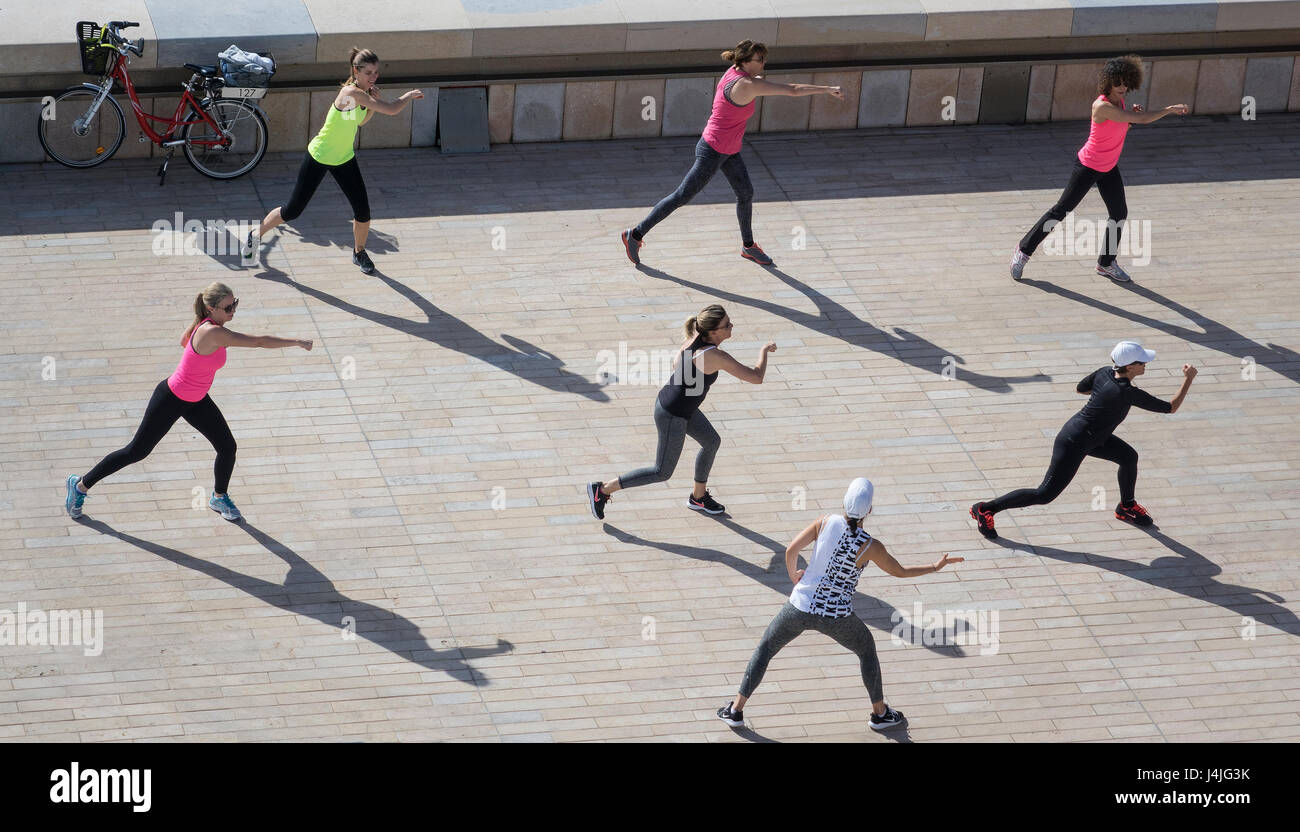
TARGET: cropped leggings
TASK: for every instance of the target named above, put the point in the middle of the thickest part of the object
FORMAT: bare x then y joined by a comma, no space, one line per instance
673,431
163,410
848,631
1111,187
348,175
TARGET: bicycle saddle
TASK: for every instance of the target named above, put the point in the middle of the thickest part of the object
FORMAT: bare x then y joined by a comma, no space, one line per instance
205,71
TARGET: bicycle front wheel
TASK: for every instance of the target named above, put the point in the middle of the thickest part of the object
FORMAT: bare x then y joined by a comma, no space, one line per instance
237,148
70,137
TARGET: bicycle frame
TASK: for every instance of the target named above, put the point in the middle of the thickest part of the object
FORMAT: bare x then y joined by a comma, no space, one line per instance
119,73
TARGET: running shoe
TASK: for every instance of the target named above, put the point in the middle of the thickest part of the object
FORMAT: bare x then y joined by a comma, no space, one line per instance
75,498
736,719
250,245
597,500
633,253
706,504
1134,514
225,506
363,260
983,519
1115,273
1018,261
756,254
889,719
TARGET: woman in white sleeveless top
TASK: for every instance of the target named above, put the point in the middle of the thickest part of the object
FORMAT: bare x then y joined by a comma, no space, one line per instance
822,600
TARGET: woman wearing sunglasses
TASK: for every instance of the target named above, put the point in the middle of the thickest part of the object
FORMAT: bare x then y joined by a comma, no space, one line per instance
184,394
1091,432
677,411
719,147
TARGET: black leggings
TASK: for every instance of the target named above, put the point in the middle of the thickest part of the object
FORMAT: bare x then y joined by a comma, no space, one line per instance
1067,456
1111,187
163,410
707,163
348,175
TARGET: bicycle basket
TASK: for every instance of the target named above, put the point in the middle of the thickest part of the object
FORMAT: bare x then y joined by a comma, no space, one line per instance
247,75
94,53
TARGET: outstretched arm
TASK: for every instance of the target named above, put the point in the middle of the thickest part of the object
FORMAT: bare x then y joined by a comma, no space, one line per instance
1105,111
221,337
747,89
877,552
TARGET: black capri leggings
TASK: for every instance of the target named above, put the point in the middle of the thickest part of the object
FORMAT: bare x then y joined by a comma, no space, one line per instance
162,412
348,175
1067,456
1111,187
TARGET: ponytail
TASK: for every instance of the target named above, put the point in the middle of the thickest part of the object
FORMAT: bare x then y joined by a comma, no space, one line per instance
708,319
855,523
356,57
744,52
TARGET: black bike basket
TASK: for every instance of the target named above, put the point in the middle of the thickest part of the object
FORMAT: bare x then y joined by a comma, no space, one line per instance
94,55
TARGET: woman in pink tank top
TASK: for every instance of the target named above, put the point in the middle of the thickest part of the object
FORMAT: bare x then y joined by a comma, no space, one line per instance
184,395
719,146
1097,163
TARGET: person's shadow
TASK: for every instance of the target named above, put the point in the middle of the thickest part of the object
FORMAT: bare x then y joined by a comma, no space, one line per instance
879,614
307,592
528,362
1214,335
1190,574
834,320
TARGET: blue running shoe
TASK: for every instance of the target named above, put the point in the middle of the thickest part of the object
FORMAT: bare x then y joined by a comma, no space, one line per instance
75,498
226,507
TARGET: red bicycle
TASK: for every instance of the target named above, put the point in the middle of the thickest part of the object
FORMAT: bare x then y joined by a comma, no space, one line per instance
222,134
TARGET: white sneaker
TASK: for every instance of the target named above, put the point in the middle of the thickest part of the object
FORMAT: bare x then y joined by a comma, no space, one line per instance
1115,273
249,248
1018,261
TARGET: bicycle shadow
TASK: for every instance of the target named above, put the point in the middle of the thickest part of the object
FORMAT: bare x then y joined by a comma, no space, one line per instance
1216,336
1190,574
309,593
884,617
834,320
520,358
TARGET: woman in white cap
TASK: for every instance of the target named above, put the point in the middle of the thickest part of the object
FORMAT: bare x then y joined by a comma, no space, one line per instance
1090,432
822,600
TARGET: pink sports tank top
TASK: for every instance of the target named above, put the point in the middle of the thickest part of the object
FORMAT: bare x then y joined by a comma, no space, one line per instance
1105,142
193,376
725,131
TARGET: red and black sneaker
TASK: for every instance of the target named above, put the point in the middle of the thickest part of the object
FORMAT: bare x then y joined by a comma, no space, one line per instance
633,251
596,500
983,519
756,254
1134,514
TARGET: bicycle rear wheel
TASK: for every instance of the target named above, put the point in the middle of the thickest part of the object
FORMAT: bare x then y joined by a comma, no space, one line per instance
243,139
69,139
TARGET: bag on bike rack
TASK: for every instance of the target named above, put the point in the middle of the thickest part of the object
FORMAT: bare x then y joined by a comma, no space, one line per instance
246,69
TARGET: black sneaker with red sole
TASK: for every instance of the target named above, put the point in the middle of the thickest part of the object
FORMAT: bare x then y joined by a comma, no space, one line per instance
983,519
1134,514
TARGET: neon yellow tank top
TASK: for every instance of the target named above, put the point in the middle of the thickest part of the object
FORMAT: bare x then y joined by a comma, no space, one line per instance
333,144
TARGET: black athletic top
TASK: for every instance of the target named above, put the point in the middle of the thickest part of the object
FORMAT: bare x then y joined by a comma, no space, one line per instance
1108,405
685,391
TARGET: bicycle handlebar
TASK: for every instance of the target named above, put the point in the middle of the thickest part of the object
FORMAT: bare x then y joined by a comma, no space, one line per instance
121,24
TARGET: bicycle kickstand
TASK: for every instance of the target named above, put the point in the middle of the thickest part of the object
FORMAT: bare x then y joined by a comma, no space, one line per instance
162,170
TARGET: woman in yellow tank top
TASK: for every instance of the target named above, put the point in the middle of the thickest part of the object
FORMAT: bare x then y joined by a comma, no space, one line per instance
331,151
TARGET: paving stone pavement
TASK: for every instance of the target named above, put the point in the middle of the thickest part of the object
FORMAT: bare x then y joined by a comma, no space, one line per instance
418,562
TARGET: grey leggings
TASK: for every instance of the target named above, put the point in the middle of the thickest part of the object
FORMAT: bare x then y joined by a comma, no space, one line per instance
707,163
848,631
673,431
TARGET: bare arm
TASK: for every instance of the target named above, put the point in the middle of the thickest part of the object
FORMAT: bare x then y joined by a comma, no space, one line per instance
1189,373
1105,111
378,105
215,337
717,359
877,552
805,537
747,89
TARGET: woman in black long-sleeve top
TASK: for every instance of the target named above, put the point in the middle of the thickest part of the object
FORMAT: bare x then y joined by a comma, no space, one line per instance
1090,432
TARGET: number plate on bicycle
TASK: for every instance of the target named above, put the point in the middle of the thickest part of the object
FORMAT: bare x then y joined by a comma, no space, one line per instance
243,92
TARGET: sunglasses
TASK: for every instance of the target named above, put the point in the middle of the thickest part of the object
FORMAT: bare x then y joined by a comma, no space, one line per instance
230,307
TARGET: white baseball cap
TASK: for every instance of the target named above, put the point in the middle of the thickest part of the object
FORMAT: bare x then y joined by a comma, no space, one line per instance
857,500
1126,352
